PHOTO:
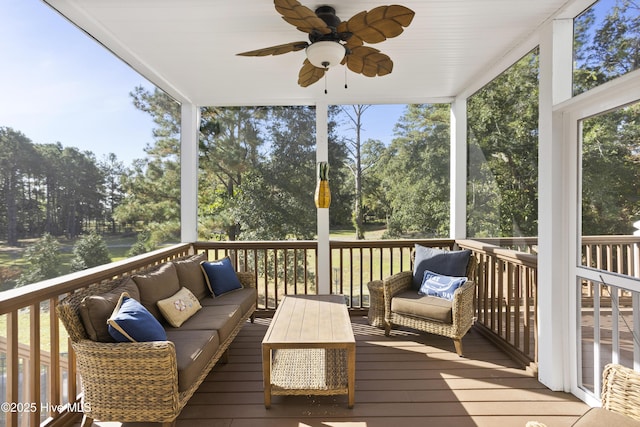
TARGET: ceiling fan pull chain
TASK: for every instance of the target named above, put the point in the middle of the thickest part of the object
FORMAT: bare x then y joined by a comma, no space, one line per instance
345,77
325,83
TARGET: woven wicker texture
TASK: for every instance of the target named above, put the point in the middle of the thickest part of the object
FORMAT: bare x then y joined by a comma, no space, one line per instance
309,370
621,390
376,304
143,376
382,292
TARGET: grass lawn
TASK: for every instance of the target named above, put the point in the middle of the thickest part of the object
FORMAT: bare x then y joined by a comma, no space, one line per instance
358,268
24,323
12,261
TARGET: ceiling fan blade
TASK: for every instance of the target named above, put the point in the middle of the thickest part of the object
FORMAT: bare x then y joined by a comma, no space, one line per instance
276,50
301,17
369,61
309,74
377,25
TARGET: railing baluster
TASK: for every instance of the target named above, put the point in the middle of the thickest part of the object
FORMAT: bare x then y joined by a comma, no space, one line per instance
34,362
506,297
54,336
500,306
13,366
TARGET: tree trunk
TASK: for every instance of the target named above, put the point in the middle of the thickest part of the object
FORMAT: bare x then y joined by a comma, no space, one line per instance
12,211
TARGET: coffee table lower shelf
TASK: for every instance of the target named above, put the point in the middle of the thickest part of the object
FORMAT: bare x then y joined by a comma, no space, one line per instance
303,371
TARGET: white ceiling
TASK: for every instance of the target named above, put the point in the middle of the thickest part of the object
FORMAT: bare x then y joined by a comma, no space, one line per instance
188,47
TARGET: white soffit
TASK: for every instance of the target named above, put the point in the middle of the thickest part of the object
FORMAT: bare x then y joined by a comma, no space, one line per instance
188,47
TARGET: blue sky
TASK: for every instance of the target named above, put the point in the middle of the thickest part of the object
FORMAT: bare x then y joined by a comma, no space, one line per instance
58,85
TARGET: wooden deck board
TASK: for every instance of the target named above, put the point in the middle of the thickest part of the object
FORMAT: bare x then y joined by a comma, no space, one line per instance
409,378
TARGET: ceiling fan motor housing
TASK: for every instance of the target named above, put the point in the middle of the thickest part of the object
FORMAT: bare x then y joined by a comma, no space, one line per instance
328,15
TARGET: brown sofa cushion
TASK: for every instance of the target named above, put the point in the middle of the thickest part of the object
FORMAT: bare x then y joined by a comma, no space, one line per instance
190,275
244,297
157,285
194,349
96,309
432,308
223,318
598,417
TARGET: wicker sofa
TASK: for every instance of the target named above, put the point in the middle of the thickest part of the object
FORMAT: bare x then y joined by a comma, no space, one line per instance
152,381
451,319
620,400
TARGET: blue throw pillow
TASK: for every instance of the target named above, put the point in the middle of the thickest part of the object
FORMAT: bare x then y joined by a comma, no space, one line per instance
220,275
438,285
448,263
131,322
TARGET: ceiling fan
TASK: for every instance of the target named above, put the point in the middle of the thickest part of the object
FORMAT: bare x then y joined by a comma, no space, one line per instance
333,42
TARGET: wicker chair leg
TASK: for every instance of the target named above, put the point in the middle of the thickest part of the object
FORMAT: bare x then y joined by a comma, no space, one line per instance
387,328
86,421
253,318
169,424
458,344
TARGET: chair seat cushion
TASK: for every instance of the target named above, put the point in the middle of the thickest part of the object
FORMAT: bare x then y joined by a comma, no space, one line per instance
424,306
245,298
222,318
598,417
194,349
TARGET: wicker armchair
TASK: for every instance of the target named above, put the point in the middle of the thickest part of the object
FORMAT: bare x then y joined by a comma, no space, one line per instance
620,400
382,292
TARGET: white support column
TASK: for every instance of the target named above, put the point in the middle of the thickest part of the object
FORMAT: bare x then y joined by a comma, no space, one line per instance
458,170
322,155
555,282
189,133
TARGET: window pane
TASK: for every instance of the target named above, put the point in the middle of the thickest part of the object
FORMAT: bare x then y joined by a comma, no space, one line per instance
502,188
605,43
610,188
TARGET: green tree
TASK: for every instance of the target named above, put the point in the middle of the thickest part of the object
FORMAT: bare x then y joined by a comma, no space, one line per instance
43,259
375,201
276,199
610,173
503,154
17,155
230,144
89,251
113,171
605,50
414,173
354,115
152,185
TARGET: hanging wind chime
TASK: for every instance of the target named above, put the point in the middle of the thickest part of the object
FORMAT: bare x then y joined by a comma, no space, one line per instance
323,193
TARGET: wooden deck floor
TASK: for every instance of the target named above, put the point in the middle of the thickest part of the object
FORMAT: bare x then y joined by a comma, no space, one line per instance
405,380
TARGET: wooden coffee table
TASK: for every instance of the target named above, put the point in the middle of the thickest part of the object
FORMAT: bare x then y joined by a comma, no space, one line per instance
309,348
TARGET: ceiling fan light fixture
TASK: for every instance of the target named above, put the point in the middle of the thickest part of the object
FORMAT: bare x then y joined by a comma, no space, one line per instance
325,54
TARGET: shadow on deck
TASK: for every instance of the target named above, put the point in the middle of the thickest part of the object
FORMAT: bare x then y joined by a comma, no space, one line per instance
405,380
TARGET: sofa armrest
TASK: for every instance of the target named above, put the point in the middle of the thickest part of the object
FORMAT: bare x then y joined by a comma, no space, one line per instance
146,373
247,279
392,286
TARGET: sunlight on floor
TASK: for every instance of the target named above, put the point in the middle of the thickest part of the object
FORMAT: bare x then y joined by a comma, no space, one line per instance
338,424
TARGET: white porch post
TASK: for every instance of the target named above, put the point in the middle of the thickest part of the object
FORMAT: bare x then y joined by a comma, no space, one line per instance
322,155
458,170
189,131
554,265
